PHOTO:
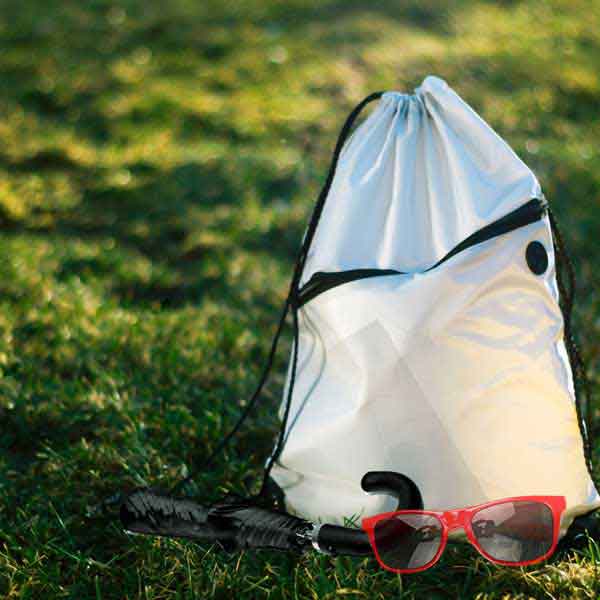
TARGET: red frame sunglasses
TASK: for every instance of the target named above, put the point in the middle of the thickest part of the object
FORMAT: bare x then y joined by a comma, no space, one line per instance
526,518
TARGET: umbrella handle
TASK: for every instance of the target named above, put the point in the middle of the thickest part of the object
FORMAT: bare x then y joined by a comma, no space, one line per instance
394,484
333,539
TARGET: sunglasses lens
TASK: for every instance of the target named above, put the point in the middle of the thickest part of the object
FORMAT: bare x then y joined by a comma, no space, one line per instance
408,541
516,531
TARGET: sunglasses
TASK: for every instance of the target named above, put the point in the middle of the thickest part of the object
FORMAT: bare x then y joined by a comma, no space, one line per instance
513,531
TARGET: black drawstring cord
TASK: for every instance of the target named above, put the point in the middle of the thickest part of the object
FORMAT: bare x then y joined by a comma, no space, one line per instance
320,204
291,302
288,403
580,379
249,407
295,287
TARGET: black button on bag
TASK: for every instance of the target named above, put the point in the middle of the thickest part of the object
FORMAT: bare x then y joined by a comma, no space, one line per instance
537,257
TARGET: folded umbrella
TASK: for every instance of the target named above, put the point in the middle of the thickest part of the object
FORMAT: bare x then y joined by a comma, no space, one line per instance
237,523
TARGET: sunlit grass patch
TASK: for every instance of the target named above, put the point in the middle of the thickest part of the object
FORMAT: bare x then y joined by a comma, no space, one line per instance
158,163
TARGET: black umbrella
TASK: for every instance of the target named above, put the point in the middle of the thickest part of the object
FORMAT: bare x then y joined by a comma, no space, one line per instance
237,523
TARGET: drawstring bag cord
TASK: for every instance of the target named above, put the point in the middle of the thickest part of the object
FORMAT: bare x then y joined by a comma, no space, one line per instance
580,378
290,303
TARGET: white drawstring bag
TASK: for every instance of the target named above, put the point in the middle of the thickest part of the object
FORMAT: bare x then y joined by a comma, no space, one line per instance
429,333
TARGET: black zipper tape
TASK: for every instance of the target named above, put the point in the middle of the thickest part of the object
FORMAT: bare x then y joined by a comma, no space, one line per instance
323,281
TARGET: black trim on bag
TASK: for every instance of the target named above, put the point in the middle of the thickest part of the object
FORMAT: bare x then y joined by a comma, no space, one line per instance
323,281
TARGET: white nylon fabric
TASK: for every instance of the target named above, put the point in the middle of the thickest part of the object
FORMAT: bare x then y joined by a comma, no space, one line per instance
420,175
457,377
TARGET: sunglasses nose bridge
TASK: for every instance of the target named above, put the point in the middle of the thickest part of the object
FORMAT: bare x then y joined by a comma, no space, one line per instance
454,519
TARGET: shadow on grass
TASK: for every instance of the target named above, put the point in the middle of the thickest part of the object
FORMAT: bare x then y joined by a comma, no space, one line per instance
163,217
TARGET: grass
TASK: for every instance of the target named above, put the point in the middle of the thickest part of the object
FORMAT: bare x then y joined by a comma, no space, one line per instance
158,162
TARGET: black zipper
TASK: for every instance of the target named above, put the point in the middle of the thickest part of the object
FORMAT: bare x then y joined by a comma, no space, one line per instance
529,213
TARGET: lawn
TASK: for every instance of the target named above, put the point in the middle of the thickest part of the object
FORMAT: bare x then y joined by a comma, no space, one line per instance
158,164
